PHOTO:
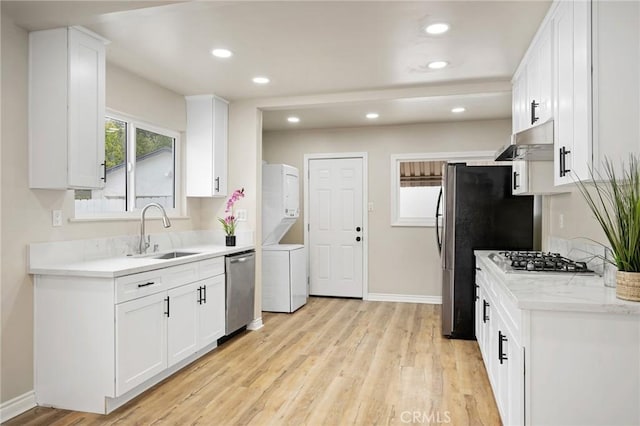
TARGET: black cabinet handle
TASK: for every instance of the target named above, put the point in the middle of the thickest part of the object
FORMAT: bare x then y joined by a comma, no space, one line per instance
485,316
358,239
217,189
478,269
501,339
146,284
204,291
104,171
515,180
563,161
534,105
199,295
477,292
168,303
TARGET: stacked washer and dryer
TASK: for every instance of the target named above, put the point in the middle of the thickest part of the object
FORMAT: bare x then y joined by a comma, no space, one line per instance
284,266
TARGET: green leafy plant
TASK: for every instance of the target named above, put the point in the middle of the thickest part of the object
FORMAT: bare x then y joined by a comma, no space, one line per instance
614,199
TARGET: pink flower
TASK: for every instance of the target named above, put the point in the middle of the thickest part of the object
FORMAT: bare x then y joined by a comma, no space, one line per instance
237,194
230,219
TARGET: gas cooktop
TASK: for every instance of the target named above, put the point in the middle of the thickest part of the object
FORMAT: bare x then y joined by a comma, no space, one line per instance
537,261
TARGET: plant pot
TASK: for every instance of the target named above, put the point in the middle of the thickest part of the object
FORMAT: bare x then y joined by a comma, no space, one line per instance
628,286
230,240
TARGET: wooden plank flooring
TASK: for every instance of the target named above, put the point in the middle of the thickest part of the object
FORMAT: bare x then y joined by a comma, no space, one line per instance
334,362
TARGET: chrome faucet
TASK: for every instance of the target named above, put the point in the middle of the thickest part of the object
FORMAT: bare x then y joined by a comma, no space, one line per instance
144,240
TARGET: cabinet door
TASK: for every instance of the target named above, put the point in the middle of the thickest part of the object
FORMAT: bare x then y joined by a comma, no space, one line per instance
182,322
206,163
544,94
573,136
211,311
514,364
220,136
519,102
478,312
86,107
520,177
141,340
563,124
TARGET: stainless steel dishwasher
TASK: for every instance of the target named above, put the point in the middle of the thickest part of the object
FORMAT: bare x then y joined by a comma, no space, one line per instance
241,273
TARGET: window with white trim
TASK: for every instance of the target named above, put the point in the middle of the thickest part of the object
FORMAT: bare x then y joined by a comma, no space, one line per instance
141,167
416,180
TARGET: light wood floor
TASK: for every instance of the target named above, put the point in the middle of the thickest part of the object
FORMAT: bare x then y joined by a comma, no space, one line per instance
333,362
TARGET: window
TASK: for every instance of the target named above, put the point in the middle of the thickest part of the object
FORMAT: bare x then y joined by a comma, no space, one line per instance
416,180
141,167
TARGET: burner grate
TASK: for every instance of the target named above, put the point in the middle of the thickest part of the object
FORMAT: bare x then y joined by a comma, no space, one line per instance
541,261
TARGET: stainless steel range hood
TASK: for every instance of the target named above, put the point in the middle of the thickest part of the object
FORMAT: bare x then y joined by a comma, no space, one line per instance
534,144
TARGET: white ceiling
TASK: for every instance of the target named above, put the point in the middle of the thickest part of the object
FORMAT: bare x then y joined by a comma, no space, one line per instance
307,47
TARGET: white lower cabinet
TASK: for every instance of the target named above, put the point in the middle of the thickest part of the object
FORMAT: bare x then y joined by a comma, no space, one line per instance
141,341
552,365
123,335
182,323
211,311
502,353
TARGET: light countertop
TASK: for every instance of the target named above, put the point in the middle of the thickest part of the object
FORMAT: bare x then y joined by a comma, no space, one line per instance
562,292
112,267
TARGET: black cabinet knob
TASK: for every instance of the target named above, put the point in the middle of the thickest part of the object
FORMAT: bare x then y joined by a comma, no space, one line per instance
357,229
358,238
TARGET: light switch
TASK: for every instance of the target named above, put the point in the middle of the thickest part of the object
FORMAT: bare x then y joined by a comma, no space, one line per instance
56,217
241,214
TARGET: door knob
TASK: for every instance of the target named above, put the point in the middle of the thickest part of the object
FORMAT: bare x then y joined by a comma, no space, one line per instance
358,238
357,229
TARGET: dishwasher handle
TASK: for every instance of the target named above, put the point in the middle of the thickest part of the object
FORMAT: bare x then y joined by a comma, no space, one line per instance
241,260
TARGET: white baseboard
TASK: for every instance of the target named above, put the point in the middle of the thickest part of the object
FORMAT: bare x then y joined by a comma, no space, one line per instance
16,406
404,298
256,324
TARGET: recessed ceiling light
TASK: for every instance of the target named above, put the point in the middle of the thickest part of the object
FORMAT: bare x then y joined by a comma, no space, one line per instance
436,65
372,115
293,119
438,28
458,109
261,80
222,53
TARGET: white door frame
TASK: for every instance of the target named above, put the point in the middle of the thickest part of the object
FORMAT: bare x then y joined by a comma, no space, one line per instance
365,211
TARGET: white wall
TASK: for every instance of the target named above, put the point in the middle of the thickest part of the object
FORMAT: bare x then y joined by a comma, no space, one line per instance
402,260
26,213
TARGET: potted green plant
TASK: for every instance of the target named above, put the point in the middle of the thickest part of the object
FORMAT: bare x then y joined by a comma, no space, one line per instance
614,199
230,220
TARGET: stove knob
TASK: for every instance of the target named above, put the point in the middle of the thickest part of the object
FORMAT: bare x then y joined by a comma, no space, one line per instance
530,266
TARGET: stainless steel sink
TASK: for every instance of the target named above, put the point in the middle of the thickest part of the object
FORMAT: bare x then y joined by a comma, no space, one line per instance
174,254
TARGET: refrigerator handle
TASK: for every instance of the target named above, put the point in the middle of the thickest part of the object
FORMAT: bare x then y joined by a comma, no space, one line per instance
438,234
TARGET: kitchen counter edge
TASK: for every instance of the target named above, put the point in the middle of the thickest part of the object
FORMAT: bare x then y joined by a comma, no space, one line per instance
115,267
571,293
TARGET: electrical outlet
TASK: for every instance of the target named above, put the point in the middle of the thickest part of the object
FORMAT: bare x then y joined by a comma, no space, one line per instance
241,214
370,207
56,217
561,220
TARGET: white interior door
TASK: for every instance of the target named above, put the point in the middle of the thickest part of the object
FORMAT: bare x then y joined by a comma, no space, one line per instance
336,227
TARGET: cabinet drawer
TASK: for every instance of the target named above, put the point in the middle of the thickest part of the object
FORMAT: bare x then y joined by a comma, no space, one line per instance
133,286
211,267
180,275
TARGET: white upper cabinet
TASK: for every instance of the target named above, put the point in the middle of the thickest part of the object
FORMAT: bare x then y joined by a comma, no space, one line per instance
66,109
597,87
532,101
206,165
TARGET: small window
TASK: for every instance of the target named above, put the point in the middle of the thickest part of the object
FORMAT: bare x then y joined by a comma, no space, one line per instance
416,180
417,186
140,169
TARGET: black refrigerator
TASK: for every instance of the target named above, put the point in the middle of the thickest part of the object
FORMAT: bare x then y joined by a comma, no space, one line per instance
478,212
